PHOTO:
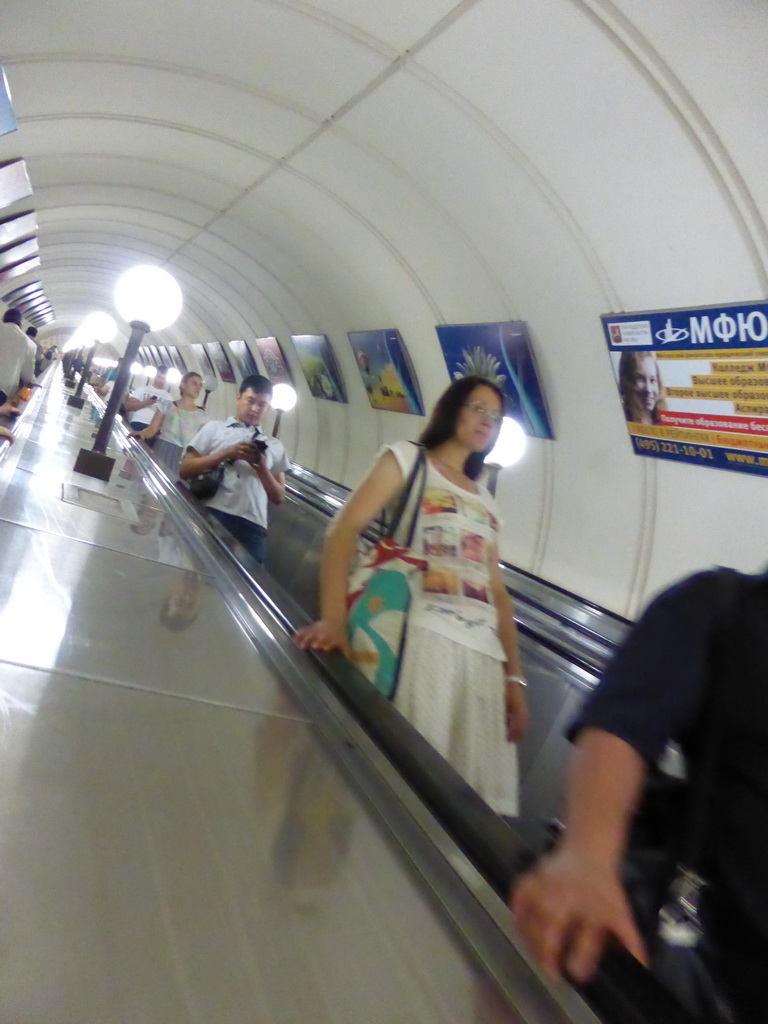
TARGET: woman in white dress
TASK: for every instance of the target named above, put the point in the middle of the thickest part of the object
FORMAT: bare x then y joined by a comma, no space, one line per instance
176,423
461,683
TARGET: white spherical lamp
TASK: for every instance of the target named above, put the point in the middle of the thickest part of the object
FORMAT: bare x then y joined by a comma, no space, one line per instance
510,445
148,295
509,448
99,327
173,376
283,397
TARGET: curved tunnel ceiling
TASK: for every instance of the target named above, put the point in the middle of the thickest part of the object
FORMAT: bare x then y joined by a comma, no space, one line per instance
350,164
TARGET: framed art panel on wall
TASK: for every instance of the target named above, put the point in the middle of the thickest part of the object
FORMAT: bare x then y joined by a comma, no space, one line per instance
220,360
203,360
165,357
501,352
274,361
386,371
177,359
245,364
319,366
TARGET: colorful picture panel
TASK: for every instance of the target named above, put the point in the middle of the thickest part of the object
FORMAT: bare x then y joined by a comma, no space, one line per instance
221,361
386,371
274,361
177,359
501,352
245,364
693,383
203,360
319,366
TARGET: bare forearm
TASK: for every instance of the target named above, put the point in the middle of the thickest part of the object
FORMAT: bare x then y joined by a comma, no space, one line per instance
604,784
338,552
508,634
274,488
194,465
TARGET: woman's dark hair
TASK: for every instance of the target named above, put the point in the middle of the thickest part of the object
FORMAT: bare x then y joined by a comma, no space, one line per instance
445,416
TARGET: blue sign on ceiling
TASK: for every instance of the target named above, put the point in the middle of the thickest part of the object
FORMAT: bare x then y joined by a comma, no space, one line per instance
7,117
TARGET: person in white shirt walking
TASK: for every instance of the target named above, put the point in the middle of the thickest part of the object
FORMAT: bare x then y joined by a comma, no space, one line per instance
254,463
142,402
17,363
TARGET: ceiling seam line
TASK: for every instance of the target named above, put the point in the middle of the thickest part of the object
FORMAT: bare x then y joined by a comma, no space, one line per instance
383,76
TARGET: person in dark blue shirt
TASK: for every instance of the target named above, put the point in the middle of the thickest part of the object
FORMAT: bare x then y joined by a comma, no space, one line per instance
654,691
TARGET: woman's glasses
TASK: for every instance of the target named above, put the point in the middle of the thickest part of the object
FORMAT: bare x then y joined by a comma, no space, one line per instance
480,410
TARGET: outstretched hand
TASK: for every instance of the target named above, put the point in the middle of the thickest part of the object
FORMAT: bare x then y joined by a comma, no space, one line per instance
567,908
323,635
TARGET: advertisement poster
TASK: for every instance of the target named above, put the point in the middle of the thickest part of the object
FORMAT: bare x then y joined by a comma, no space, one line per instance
501,352
319,366
177,359
274,362
203,360
165,358
221,361
245,364
386,371
693,383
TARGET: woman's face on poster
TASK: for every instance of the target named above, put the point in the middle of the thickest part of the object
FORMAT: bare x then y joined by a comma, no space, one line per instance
646,384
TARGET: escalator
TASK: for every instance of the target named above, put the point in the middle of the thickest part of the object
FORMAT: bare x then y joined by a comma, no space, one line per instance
202,823
565,644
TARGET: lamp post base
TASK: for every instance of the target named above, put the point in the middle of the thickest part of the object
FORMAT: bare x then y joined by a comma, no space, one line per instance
75,402
94,464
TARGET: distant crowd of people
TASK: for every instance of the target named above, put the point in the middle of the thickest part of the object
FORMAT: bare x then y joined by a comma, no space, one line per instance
22,360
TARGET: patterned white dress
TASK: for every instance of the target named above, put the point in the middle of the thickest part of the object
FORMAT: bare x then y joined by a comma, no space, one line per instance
451,685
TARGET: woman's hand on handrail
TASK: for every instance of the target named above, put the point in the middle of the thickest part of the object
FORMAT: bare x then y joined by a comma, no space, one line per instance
323,635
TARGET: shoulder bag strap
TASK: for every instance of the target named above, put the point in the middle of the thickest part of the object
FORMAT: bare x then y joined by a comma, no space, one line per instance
704,769
413,488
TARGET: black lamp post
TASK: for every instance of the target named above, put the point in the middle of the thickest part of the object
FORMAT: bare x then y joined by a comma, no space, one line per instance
95,462
143,296
69,380
77,401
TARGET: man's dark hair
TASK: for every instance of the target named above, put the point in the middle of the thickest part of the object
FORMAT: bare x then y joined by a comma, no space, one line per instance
32,332
161,369
257,383
12,316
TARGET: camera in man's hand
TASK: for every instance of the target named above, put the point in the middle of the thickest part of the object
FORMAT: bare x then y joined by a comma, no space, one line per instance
259,443
260,446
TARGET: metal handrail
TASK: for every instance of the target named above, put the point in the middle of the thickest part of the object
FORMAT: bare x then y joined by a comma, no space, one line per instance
623,992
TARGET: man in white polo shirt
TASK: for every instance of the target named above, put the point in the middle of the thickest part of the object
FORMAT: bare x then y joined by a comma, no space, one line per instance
255,466
143,400
17,362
